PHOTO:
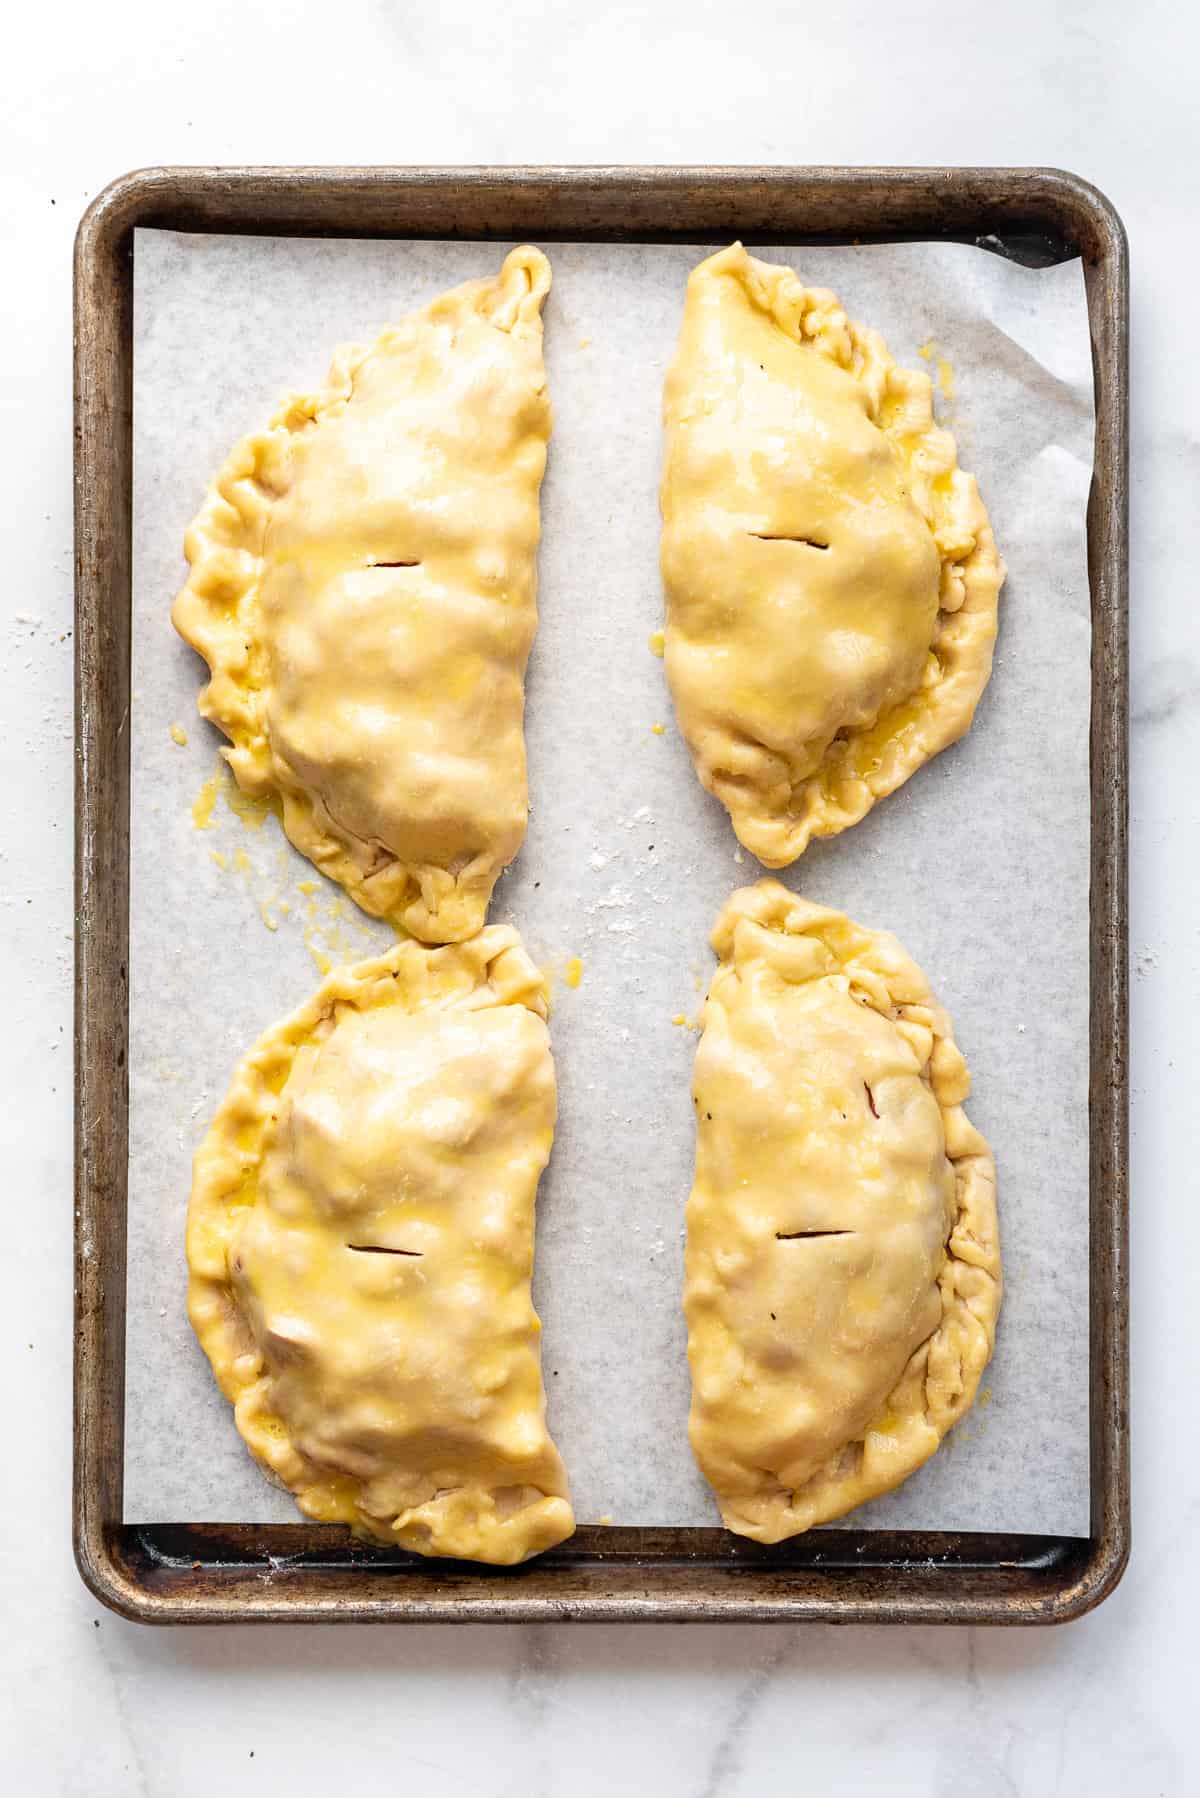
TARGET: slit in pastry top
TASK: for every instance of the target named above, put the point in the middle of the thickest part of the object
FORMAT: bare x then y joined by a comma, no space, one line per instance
363,589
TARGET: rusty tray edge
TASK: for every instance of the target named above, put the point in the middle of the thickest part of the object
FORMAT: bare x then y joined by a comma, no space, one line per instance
208,1573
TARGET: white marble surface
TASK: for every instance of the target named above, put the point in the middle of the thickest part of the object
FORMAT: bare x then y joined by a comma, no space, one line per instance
92,1706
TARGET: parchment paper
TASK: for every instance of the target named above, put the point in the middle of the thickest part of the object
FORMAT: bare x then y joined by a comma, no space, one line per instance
979,864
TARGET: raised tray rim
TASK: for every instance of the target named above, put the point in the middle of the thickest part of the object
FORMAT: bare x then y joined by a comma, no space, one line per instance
290,1573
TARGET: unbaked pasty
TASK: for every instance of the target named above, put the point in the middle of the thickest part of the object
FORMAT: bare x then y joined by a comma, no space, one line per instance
360,1243
831,578
843,1267
363,590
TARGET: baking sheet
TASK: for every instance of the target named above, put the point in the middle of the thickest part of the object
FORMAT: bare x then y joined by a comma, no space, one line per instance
980,864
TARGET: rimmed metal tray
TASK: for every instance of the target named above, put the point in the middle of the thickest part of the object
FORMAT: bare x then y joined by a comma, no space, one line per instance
202,1573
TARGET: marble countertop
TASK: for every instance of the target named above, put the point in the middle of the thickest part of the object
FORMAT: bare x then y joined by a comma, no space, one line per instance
93,1706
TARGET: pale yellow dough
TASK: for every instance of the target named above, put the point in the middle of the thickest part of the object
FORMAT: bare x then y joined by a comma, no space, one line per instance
360,1245
843,1264
363,588
831,577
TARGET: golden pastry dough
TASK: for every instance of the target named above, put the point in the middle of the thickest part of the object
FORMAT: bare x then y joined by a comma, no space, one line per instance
360,1242
831,578
363,590
843,1266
